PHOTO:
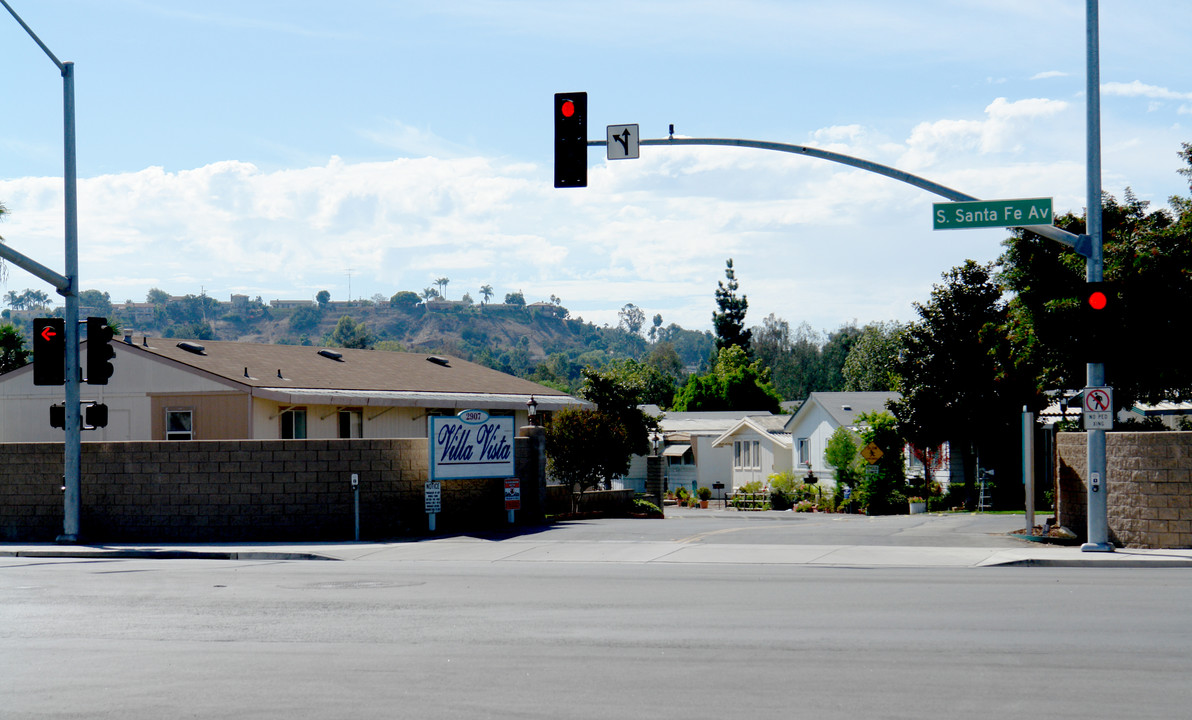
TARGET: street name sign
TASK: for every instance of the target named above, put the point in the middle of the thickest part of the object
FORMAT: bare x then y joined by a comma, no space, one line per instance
991,213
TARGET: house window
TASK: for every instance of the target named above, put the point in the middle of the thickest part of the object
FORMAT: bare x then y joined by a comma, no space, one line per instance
293,425
757,454
179,425
351,423
804,452
736,453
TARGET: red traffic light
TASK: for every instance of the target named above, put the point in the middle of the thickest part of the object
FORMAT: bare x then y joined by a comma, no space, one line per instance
1097,300
567,108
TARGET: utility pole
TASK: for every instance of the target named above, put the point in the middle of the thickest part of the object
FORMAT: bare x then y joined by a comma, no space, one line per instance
67,286
1098,486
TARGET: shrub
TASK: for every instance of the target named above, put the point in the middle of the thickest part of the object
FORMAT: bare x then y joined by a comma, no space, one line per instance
704,493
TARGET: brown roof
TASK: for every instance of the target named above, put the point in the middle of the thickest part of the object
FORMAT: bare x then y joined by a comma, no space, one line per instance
303,367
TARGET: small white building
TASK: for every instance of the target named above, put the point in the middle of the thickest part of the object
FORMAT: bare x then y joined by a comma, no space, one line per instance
761,447
819,416
687,441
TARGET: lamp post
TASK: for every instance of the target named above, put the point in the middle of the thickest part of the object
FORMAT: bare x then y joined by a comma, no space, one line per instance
532,410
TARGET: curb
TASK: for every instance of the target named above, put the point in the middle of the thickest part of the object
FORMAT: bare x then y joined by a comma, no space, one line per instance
132,554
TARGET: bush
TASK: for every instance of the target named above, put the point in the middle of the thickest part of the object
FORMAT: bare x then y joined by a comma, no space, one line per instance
704,493
646,507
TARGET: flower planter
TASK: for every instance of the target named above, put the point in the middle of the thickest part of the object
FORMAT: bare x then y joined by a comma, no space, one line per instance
918,507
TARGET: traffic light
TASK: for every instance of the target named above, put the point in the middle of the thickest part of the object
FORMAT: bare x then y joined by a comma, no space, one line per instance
49,351
99,351
1100,321
58,415
571,139
95,415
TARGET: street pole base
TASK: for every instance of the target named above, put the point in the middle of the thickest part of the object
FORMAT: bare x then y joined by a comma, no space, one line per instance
1096,547
67,539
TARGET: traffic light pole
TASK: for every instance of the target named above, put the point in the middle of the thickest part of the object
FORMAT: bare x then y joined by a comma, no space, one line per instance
67,286
1097,485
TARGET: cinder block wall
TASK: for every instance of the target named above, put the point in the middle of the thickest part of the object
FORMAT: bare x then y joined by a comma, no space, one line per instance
1149,477
249,490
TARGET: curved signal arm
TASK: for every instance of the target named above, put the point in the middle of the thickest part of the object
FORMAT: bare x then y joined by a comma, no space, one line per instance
1079,243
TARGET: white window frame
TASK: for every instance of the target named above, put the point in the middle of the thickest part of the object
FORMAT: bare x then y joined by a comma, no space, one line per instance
188,434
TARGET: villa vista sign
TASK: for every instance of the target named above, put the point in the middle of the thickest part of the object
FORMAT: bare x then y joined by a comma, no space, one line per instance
470,445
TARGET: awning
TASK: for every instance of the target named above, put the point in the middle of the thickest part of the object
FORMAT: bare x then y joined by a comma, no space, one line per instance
675,450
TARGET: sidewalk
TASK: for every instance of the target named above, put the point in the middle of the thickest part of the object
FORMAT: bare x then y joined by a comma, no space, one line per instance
532,549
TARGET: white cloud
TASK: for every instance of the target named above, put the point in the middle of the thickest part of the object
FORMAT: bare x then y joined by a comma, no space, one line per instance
1001,131
1140,89
1046,74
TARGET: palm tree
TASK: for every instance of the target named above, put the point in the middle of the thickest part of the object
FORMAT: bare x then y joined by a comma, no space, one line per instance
14,301
487,292
442,283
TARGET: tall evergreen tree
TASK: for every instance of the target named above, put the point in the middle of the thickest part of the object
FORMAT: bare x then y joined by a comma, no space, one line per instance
729,320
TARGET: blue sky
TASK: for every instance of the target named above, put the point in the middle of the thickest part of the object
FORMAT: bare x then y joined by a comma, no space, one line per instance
281,148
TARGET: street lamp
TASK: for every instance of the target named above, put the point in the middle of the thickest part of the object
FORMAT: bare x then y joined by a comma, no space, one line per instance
532,410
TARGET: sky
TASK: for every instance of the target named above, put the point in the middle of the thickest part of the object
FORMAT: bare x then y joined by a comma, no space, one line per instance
277,148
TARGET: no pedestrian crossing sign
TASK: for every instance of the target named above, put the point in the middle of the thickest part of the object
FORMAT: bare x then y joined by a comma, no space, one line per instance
991,213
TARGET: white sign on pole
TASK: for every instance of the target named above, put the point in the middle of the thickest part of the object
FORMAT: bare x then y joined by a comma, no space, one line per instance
471,445
623,142
434,497
1097,408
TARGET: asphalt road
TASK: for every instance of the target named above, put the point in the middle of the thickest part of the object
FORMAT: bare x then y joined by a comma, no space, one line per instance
371,639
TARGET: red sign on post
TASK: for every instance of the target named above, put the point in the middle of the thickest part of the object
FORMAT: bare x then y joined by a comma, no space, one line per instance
513,494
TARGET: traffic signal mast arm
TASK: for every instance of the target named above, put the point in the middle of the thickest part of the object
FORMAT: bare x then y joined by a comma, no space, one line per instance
1076,242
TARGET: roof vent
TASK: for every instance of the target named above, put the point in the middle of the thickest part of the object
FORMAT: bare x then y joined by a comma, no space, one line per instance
195,348
439,360
338,357
846,408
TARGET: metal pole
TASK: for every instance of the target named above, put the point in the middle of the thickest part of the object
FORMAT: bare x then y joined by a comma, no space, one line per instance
1098,486
1028,467
73,442
74,448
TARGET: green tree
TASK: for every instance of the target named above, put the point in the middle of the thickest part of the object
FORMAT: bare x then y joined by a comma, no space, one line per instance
950,377
643,382
350,334
1148,259
841,453
882,492
515,298
95,303
13,353
305,318
632,318
584,448
405,300
157,296
442,283
617,390
729,320
323,297
486,291
733,383
870,363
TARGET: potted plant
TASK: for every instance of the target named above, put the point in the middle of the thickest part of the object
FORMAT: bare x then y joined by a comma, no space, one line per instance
917,505
705,494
